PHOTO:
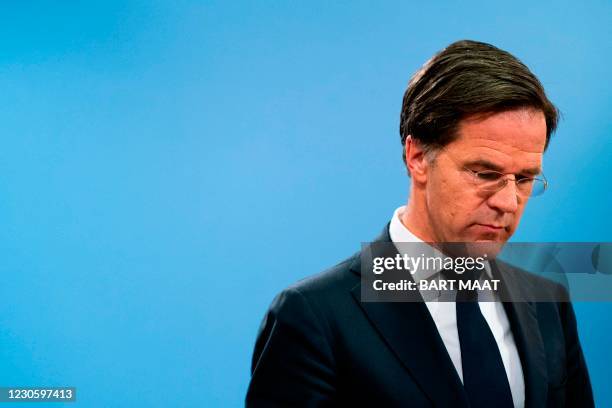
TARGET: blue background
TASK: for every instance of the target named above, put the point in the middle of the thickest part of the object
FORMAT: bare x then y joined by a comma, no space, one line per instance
167,167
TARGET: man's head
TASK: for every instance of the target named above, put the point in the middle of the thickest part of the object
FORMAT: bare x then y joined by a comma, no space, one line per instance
473,110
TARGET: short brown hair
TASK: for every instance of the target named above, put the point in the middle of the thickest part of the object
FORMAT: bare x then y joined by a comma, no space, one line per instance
464,79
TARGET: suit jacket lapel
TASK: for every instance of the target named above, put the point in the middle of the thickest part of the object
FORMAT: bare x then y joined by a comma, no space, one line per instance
526,332
410,332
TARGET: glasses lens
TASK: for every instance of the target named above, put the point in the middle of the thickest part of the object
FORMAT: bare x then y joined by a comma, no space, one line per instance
489,180
538,187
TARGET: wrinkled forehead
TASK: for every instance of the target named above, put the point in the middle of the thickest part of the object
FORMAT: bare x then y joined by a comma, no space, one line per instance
510,139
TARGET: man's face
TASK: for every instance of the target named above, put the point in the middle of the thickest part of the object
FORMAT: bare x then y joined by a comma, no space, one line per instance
510,142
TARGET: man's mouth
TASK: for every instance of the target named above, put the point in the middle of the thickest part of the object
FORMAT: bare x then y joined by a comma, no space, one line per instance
489,231
492,226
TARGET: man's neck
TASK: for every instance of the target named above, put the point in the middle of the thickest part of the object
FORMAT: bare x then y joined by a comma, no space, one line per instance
415,219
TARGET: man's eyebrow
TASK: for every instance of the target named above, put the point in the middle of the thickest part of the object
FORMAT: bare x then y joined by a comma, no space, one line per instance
533,171
485,164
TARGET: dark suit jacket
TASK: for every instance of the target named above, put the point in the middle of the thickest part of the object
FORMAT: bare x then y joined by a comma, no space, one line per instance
319,345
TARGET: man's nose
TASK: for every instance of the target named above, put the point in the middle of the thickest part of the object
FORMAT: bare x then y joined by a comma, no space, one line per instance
506,199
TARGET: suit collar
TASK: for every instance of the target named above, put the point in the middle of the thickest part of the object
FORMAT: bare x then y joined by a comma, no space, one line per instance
522,315
424,354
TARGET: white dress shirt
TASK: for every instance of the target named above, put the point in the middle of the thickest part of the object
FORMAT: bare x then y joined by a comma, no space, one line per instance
445,317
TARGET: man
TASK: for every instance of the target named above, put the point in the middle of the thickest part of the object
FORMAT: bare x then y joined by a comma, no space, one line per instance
475,123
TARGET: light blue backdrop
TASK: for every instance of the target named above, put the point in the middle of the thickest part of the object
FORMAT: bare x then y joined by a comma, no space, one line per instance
167,167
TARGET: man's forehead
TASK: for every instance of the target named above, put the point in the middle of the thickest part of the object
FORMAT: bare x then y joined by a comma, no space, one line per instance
515,132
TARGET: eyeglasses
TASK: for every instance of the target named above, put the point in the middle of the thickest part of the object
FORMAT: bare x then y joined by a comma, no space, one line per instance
492,181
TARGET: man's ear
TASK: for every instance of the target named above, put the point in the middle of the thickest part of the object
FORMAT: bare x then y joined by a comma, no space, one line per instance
416,160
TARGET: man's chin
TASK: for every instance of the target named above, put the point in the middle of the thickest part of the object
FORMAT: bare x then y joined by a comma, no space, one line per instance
489,244
484,248
474,248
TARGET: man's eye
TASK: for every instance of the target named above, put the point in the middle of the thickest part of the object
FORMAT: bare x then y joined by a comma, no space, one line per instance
488,175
